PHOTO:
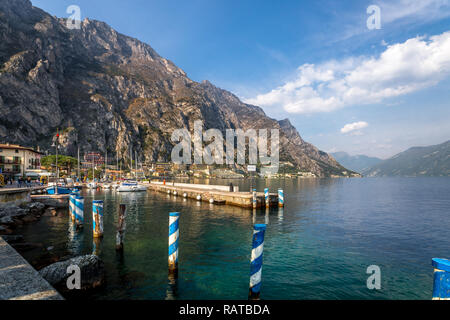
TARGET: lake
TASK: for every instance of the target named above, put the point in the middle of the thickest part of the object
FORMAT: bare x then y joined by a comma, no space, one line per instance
317,247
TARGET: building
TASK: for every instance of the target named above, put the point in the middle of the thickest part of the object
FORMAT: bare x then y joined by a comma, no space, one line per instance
16,160
92,158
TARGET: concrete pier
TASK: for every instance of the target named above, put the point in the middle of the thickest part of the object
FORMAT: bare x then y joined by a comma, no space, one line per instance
240,199
18,195
19,280
52,200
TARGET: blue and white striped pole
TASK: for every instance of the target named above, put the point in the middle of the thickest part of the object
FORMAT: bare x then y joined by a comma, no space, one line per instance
266,196
97,218
79,210
174,234
72,205
280,198
254,199
441,279
256,261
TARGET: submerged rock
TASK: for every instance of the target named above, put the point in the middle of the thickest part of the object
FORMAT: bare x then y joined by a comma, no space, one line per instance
91,267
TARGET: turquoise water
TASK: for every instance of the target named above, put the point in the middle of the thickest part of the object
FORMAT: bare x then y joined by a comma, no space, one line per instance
317,247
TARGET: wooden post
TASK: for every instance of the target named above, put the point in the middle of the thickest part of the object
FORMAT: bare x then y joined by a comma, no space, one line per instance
254,199
121,227
441,279
79,211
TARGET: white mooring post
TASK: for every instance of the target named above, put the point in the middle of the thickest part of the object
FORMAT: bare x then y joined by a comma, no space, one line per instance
79,210
256,261
174,234
97,218
280,198
266,197
441,279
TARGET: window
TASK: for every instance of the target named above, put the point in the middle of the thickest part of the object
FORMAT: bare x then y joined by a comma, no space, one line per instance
17,151
1,150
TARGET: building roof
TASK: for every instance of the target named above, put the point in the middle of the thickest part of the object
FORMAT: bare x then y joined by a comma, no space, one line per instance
16,146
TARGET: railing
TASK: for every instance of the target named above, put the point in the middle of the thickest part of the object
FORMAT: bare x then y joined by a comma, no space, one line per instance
6,161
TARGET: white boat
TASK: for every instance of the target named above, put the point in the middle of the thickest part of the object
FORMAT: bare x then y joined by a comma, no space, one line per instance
131,186
106,186
92,185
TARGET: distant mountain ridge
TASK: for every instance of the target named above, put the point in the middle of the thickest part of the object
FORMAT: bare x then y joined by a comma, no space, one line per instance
356,163
414,162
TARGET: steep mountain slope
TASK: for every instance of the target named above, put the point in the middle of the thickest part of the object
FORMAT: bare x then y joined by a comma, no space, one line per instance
416,161
109,92
356,163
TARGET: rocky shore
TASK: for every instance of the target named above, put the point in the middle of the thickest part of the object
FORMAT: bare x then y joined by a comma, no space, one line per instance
12,215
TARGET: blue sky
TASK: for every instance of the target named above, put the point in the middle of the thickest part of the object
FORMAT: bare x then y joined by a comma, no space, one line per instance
314,62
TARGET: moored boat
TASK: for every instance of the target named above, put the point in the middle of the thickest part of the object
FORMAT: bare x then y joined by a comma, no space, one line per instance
131,186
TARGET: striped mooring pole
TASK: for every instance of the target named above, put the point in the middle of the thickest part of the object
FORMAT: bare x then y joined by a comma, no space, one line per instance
79,210
121,226
254,199
441,279
72,205
174,234
280,198
97,218
266,197
256,261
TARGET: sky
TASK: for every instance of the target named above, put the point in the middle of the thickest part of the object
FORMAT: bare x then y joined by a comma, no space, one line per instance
364,77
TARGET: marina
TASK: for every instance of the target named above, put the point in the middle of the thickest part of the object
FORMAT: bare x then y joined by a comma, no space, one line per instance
314,226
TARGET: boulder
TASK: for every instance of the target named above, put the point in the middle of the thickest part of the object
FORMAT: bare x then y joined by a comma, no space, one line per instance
4,230
33,207
91,267
12,211
6,220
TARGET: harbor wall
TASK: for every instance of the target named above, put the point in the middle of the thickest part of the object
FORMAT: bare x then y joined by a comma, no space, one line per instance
19,280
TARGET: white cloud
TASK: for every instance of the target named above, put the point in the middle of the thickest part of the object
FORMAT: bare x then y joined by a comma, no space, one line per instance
401,69
349,127
412,9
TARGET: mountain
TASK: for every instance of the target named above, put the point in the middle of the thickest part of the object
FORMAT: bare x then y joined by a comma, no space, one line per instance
356,163
109,92
414,162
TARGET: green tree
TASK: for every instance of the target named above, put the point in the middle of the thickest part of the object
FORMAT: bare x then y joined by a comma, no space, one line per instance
64,162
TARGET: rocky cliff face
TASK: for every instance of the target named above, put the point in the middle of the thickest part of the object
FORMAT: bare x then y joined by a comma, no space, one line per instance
109,92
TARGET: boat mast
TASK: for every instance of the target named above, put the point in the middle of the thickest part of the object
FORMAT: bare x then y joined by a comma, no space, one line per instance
78,164
131,161
106,161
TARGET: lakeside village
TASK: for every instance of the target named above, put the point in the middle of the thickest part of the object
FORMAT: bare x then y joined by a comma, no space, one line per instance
20,165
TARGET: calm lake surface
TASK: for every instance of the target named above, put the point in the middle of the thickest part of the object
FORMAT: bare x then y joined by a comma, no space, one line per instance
318,247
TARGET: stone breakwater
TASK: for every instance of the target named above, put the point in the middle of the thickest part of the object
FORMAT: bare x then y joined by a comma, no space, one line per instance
12,215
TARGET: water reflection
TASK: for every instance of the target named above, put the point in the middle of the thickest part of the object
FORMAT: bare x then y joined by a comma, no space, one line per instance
172,286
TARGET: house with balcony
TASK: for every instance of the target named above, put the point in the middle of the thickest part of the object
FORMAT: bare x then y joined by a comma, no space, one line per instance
16,160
